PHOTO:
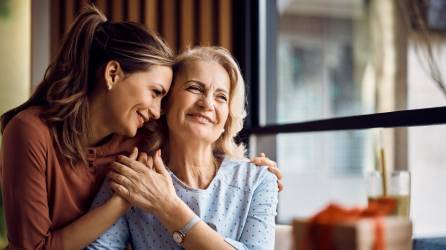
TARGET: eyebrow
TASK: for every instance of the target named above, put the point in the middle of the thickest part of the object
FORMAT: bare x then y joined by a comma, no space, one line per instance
204,86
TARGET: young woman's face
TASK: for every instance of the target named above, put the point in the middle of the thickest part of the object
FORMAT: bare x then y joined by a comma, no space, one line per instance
198,104
136,98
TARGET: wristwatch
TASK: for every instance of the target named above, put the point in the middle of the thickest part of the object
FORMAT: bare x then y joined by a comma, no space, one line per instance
178,236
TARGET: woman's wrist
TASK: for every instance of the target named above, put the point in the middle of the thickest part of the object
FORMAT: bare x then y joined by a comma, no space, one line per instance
174,215
118,203
167,207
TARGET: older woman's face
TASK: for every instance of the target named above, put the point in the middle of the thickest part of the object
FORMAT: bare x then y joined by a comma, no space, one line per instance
198,105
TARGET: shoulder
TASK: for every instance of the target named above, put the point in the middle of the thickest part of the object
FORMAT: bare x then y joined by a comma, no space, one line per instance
26,140
245,175
28,118
27,125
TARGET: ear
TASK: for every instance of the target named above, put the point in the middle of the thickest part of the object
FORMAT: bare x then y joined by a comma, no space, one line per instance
113,74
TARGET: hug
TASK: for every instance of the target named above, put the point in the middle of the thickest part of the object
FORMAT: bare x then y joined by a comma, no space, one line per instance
124,144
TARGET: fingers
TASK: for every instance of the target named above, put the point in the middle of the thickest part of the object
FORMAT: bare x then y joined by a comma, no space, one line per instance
124,170
261,155
149,162
120,190
158,164
145,159
134,153
142,157
118,178
276,172
131,163
263,161
280,185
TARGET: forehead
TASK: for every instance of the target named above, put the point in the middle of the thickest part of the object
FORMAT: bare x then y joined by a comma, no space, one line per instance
159,73
207,72
156,74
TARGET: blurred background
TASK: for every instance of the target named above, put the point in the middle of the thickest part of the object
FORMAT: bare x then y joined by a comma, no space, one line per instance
306,63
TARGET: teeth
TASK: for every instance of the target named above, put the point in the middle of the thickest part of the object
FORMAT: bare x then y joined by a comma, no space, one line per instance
141,116
202,118
140,119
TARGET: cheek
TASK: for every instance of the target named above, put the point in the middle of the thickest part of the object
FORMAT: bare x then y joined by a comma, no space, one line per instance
140,97
121,108
115,105
223,115
170,120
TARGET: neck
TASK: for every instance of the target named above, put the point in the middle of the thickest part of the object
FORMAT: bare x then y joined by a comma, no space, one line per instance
97,130
192,163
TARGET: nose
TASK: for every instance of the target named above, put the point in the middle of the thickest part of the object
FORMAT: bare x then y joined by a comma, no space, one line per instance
207,102
155,110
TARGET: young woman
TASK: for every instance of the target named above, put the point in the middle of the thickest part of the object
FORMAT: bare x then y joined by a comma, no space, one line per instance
210,197
106,81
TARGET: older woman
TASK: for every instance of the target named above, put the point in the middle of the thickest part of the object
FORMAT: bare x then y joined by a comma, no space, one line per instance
209,196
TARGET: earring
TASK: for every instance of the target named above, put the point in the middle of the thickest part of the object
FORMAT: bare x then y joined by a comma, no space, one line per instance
110,84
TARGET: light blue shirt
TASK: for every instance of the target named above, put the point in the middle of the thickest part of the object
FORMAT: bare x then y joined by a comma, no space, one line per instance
240,204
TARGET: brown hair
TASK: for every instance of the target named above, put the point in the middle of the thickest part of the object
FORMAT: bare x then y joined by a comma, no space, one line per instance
90,43
225,145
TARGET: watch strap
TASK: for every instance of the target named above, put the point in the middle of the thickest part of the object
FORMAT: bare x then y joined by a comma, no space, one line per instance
189,225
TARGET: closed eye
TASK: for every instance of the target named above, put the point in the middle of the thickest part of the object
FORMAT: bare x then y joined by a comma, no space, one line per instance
194,89
223,98
157,92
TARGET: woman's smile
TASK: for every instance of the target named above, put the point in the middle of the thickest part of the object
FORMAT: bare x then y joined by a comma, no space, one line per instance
141,119
201,118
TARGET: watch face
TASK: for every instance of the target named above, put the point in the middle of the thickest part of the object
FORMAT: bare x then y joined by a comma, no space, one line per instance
177,237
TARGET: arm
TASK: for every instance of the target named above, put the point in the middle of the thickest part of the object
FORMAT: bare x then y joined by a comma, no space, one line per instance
117,236
152,190
107,208
90,226
27,216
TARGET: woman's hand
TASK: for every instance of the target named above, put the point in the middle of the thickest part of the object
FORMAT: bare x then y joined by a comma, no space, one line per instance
145,183
118,199
262,160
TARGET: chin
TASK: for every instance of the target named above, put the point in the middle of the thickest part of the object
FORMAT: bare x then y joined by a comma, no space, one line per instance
130,132
133,133
201,135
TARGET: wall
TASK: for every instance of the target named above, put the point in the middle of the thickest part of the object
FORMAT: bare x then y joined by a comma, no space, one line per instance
15,62
15,51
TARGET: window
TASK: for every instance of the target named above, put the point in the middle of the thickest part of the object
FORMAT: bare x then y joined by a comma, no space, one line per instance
320,167
323,59
330,80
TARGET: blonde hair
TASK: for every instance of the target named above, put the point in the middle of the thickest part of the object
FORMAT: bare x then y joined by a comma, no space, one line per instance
225,144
